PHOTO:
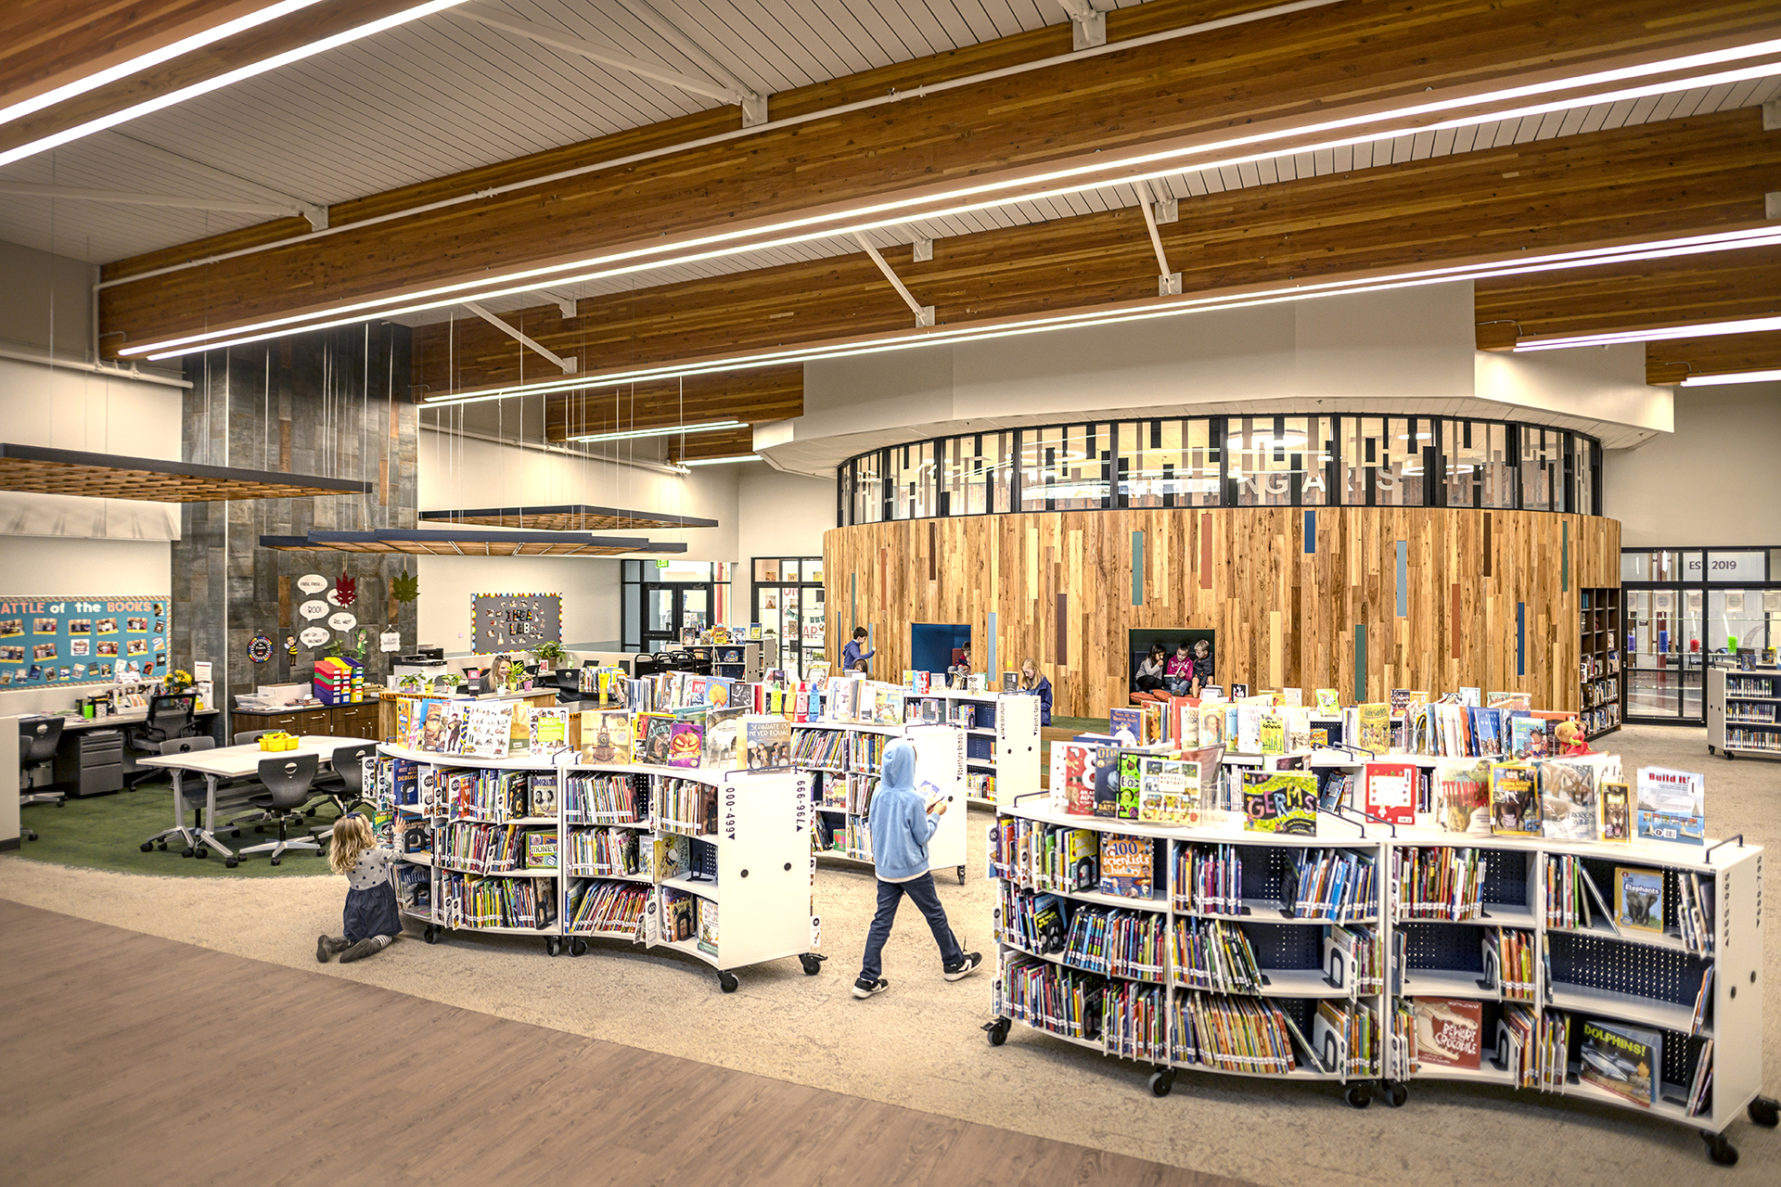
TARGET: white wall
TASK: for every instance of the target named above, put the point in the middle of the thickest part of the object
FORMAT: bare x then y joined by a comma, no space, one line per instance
47,301
589,587
1715,480
776,515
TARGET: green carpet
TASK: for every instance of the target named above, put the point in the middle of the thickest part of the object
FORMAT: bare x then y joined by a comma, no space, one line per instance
106,832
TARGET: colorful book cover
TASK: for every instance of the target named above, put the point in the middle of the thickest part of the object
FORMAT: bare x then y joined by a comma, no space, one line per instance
541,793
1449,1031
1168,791
1373,727
655,736
1081,852
1152,712
1388,792
1614,819
1567,799
888,705
1624,1060
606,736
1129,721
707,917
489,729
1283,802
1130,783
1672,806
686,743
1527,738
1184,722
1462,795
723,748
719,690
1126,865
769,742
1399,700
1327,702
1514,800
1471,696
843,694
1073,778
1639,899
1107,782
541,850
1050,925
1212,725
1271,734
547,731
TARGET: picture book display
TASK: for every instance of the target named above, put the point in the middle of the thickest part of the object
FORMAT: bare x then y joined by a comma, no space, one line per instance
1567,799
1449,1031
1462,795
1639,899
1389,792
1514,800
1614,813
547,731
1126,866
1283,802
1169,791
1672,806
1373,727
1073,778
1624,1060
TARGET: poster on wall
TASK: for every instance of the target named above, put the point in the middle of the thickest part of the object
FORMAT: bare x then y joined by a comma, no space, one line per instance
515,621
80,640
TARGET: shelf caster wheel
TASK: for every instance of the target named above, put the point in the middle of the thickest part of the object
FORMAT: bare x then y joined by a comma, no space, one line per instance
1162,1081
148,846
231,862
1764,1111
727,981
997,1031
961,875
812,962
430,934
552,946
577,947
1720,1150
1358,1096
1396,1093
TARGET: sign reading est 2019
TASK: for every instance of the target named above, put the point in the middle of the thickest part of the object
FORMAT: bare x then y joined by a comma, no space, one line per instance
80,640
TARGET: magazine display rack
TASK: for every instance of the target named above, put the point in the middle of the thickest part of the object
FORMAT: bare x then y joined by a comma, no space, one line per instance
1322,982
1744,712
1001,741
842,761
643,854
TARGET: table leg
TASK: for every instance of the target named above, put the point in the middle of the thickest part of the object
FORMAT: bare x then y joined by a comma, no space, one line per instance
208,832
186,835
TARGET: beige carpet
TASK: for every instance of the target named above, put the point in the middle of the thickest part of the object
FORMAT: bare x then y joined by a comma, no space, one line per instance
919,1045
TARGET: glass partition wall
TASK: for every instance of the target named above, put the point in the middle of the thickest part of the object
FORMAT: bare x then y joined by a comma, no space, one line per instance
1228,461
1688,609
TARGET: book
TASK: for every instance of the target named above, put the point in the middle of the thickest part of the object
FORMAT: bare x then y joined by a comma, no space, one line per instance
1471,696
488,729
1449,1031
1614,815
1049,924
1462,795
1126,866
1168,791
1399,700
1079,850
1624,1060
1672,806
1639,899
1212,725
686,742
1010,681
1527,737
1130,721
1107,781
768,742
1073,778
541,794
1567,799
1327,702
1373,727
666,855
541,850
718,691
651,736
1514,800
1271,734
1130,782
547,731
706,913
606,736
1388,792
1283,802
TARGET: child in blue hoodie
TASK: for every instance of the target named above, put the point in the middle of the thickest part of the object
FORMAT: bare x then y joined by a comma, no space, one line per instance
902,823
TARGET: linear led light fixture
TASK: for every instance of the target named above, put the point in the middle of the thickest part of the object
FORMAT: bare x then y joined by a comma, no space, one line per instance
1730,377
228,78
1170,307
141,62
1711,329
711,426
719,461
969,199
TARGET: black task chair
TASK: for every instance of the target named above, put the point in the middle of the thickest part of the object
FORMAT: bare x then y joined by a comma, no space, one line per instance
169,716
346,790
186,835
243,737
38,739
567,682
287,780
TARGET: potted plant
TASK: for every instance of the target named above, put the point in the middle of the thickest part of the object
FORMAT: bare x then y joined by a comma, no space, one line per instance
549,654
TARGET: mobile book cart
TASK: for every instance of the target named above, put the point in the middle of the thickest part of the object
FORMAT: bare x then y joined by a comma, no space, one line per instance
843,761
1744,712
744,837
1001,739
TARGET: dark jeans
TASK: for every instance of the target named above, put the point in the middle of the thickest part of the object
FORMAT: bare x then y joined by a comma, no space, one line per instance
921,893
1148,683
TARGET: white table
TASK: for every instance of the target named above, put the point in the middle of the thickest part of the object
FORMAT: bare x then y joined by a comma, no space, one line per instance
222,765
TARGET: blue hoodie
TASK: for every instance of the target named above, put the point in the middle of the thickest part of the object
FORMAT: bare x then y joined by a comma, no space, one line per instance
900,820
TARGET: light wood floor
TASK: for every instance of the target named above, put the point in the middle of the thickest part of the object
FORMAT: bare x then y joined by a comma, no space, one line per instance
130,1058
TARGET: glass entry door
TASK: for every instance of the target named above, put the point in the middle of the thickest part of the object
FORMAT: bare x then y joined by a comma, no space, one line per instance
1664,651
670,609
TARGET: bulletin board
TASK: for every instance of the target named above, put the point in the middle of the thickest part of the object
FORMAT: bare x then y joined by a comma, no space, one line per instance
514,621
85,640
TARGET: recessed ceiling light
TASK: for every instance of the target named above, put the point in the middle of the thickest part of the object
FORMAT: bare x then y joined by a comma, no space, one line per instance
1731,377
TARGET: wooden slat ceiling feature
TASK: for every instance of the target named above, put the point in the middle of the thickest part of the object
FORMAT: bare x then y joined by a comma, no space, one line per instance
1675,177
1724,354
38,470
1276,72
583,517
1642,295
45,44
467,542
764,394
734,443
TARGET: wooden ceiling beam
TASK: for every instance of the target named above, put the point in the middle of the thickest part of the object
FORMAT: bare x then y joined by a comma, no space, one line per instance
770,393
733,443
1649,181
1280,72
1724,354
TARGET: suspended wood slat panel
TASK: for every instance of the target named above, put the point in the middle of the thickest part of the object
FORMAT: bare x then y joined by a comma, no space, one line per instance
1060,586
584,517
39,470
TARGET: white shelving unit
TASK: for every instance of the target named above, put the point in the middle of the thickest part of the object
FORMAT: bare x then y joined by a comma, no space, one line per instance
841,788
749,853
1744,712
1645,980
1002,742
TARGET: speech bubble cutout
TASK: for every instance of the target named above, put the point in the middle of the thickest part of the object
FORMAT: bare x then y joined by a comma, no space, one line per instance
313,636
311,583
313,609
343,621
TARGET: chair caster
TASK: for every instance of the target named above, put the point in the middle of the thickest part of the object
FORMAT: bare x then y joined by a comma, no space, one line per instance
200,852
276,860
1764,1111
812,962
234,832
317,852
186,852
1358,1095
1720,1150
997,1031
578,947
148,846
1162,1081
727,981
162,846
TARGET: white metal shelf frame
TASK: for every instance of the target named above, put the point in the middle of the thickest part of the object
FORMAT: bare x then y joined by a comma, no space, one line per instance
940,759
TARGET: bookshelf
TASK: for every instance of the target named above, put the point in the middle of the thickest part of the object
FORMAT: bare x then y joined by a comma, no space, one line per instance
1600,665
1001,741
1237,956
1744,712
641,854
842,761
737,661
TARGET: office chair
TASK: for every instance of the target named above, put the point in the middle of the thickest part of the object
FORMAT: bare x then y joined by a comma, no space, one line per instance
186,835
38,739
287,780
169,716
243,737
346,790
567,682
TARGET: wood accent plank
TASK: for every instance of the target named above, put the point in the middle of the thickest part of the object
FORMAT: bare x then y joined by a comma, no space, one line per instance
769,393
1674,177
1073,604
1278,71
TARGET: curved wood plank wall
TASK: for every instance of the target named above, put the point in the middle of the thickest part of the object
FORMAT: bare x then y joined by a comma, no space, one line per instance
1300,597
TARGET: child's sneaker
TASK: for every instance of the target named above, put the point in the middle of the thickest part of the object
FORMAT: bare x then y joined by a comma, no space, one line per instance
327,946
864,989
965,967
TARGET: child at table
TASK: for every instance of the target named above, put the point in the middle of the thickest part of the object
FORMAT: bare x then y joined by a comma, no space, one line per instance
371,921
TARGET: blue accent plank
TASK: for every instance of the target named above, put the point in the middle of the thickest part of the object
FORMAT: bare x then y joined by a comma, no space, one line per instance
1310,532
1360,663
991,669
1137,568
1564,563
1521,638
1403,582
